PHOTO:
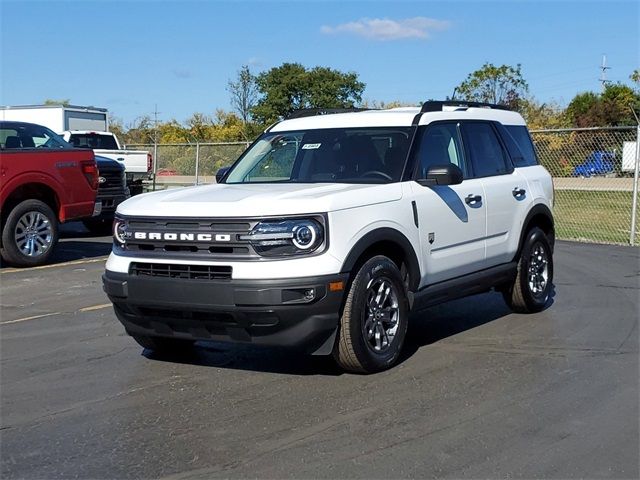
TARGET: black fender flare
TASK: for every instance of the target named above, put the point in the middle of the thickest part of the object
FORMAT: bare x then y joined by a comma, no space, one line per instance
385,234
538,209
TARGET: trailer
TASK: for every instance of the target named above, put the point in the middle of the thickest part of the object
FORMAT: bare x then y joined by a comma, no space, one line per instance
59,118
86,127
628,157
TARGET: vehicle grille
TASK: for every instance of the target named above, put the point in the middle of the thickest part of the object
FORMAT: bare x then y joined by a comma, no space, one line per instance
115,182
231,249
190,272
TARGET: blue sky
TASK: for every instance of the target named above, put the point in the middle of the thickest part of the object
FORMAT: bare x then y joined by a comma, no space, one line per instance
128,56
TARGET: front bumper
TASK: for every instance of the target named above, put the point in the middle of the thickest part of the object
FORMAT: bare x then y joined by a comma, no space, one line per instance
262,312
109,203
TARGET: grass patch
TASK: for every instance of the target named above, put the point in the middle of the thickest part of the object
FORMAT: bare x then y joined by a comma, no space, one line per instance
593,216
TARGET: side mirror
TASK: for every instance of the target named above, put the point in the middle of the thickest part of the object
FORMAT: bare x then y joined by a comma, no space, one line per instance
448,174
221,173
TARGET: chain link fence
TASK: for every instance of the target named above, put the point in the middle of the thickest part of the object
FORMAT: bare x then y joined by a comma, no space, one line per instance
593,175
592,169
181,164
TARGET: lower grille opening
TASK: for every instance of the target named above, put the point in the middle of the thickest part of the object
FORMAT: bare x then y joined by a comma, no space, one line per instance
180,248
190,272
219,318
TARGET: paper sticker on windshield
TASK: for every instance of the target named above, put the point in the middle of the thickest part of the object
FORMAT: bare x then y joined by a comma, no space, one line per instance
311,146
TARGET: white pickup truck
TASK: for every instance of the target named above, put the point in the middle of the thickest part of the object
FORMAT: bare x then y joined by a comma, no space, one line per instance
138,163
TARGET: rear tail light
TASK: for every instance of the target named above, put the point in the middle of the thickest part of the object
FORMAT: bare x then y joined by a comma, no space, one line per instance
90,172
149,162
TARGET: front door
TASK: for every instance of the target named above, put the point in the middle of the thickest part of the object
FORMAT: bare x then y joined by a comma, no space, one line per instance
451,218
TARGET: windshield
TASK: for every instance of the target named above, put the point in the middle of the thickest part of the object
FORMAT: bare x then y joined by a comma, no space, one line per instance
93,140
344,155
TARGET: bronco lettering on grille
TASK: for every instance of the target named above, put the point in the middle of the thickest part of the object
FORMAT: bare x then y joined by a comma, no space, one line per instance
182,237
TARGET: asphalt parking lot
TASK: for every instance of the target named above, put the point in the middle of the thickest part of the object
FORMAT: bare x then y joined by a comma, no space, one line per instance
481,392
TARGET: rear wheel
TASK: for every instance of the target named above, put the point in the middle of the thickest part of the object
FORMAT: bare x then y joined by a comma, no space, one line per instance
374,320
163,344
531,288
29,234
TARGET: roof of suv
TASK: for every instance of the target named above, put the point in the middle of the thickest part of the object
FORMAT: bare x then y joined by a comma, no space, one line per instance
397,117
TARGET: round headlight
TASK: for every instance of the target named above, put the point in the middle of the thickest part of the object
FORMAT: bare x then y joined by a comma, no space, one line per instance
119,231
304,236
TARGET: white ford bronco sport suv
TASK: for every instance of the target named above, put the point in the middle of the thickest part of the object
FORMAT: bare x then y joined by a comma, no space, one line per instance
332,227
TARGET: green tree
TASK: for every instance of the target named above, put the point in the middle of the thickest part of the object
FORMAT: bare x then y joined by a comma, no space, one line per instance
199,126
291,86
172,132
613,107
229,127
635,77
116,127
244,93
503,85
382,105
139,131
542,115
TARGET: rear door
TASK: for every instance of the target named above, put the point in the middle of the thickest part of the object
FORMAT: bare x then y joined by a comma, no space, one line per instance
506,192
451,218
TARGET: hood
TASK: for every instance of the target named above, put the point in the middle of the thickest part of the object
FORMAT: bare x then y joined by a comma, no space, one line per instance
105,163
249,200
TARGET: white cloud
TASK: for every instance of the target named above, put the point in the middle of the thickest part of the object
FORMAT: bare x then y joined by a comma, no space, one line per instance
387,29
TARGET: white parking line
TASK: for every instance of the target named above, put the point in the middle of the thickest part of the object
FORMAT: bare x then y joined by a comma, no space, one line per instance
54,265
95,307
30,318
36,317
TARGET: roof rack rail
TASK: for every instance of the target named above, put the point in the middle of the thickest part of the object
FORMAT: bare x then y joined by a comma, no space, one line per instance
312,112
437,106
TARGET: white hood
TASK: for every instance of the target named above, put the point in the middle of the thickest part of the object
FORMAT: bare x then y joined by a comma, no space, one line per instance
249,200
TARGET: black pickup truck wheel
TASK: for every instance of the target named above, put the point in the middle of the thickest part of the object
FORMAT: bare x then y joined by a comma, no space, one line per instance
29,234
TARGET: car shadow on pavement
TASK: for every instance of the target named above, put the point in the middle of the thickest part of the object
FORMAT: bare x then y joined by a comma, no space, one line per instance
425,328
251,358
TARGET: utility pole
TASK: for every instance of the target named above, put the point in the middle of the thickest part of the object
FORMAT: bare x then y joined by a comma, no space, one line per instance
155,145
603,72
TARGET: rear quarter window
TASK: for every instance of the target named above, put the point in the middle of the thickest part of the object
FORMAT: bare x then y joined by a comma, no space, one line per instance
520,135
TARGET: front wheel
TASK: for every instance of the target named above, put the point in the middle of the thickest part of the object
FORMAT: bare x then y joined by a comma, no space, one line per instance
531,288
374,320
29,234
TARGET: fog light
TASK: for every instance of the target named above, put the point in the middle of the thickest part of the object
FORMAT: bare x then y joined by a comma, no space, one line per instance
310,294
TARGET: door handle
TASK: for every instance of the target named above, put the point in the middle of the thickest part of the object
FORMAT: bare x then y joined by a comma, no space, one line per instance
518,192
472,199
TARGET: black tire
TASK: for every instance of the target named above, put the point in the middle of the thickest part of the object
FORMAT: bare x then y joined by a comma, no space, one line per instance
12,241
164,344
355,350
101,226
528,293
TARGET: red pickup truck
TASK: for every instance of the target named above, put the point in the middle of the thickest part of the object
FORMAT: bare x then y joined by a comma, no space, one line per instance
43,181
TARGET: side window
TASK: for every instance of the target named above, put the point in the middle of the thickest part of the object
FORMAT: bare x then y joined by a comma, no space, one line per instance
439,145
9,138
487,155
520,134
